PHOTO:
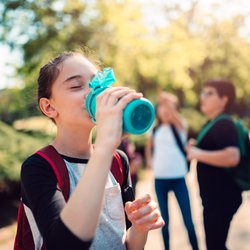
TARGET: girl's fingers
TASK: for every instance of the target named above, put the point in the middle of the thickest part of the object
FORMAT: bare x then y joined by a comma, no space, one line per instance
119,93
144,214
136,204
105,96
149,222
143,211
149,218
128,97
158,224
112,95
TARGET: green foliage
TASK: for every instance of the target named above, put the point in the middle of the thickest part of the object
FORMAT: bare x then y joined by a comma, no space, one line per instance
16,104
178,56
43,30
14,148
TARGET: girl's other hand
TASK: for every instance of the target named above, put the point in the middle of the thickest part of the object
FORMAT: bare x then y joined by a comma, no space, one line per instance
144,214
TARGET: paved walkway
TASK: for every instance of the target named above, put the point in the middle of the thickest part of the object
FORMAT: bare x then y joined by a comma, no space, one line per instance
239,235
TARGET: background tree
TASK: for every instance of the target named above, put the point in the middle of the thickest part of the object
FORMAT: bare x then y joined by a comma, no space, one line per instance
187,48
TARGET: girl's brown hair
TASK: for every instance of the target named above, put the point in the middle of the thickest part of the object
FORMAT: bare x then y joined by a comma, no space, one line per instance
49,73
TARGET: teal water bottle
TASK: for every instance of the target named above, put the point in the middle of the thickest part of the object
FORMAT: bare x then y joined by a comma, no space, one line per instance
138,115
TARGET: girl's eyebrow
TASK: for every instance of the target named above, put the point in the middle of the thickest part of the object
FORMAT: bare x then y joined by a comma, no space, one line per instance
76,77
72,77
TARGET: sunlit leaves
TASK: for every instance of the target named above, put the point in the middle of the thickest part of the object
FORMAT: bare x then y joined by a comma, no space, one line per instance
182,52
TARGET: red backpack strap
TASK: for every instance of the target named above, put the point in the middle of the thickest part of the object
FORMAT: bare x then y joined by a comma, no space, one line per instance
117,168
23,238
57,163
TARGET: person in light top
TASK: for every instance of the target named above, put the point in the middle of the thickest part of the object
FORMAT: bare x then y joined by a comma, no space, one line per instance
169,163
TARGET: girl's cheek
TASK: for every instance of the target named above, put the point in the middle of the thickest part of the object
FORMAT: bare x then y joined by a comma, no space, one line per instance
85,94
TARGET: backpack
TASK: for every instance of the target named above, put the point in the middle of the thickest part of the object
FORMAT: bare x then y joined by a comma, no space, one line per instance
241,173
24,238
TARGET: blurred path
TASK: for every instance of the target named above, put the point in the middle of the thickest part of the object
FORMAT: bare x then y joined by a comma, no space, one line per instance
239,235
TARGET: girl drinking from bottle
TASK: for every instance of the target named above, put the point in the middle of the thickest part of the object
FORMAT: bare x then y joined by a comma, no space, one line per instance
93,217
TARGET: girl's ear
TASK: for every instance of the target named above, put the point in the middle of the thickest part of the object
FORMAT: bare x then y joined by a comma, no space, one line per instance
47,108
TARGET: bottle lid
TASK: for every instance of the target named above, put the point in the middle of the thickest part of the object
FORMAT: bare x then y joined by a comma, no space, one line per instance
138,116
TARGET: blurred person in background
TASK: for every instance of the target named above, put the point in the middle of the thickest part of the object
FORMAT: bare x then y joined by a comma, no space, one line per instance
216,152
165,156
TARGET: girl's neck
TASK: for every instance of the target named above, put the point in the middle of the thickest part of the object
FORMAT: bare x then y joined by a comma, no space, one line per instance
74,144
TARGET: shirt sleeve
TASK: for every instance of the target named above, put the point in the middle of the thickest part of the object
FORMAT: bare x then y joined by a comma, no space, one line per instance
41,194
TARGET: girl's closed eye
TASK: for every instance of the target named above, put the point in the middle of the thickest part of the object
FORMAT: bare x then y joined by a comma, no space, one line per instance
77,84
76,87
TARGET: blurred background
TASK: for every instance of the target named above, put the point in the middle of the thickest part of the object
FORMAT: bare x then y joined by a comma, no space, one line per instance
151,45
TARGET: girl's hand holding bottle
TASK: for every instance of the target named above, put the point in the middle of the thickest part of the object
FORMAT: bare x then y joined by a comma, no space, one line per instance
109,106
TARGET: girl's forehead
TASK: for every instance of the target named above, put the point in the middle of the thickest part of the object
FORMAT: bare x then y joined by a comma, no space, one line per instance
77,61
76,65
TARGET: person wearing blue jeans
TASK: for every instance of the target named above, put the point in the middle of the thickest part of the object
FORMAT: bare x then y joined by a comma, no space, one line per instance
179,187
165,156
